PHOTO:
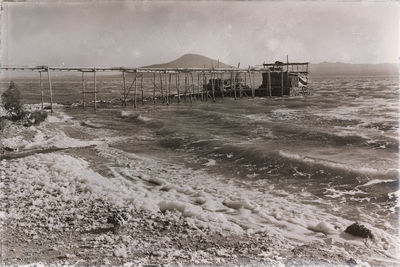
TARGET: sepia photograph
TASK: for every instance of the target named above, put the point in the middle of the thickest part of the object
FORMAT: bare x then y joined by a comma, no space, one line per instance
199,133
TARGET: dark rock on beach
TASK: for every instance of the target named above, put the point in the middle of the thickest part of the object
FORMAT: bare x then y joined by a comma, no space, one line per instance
359,230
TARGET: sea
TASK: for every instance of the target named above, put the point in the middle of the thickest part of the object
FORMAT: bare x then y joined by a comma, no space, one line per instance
303,167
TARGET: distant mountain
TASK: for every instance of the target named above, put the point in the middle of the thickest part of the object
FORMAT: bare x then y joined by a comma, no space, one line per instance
339,69
191,61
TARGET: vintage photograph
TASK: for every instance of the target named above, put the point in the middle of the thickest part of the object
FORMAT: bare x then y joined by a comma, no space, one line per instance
199,133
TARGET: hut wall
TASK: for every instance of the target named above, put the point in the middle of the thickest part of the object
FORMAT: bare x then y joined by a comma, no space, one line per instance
276,86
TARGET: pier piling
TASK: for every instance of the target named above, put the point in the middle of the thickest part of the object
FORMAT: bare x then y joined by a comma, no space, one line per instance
83,90
50,89
41,89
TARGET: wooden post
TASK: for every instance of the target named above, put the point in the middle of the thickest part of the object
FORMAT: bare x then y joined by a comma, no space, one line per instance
193,86
95,88
169,87
51,90
83,90
177,87
204,94
162,92
135,96
213,86
254,80
253,92
287,74
221,87
141,87
269,83
287,63
41,88
245,79
240,86
282,81
198,84
190,88
124,80
234,83
184,96
154,88
251,84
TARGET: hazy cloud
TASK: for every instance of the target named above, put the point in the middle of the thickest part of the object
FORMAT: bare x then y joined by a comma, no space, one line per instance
141,33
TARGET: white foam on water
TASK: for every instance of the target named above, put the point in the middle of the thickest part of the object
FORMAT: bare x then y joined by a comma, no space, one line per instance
258,117
45,138
349,131
377,181
143,118
333,164
129,114
210,162
334,193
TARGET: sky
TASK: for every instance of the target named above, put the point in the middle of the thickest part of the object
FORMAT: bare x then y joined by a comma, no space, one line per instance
138,33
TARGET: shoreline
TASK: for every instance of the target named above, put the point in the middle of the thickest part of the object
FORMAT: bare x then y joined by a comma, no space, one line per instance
43,225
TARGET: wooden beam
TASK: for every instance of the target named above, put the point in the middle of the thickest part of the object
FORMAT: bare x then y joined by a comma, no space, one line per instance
145,70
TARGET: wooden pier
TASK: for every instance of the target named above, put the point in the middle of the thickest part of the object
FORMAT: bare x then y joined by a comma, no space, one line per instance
204,84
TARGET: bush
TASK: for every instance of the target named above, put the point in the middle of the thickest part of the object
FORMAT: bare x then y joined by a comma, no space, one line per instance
11,100
35,117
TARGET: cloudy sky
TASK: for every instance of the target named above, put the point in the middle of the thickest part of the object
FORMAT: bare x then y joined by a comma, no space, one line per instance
137,33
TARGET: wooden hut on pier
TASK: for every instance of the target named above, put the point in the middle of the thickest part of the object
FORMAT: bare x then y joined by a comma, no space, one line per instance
281,79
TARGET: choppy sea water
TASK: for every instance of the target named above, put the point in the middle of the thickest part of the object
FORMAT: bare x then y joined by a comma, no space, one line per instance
335,152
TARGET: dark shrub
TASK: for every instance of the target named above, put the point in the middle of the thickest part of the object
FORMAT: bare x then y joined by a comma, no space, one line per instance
11,100
36,117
